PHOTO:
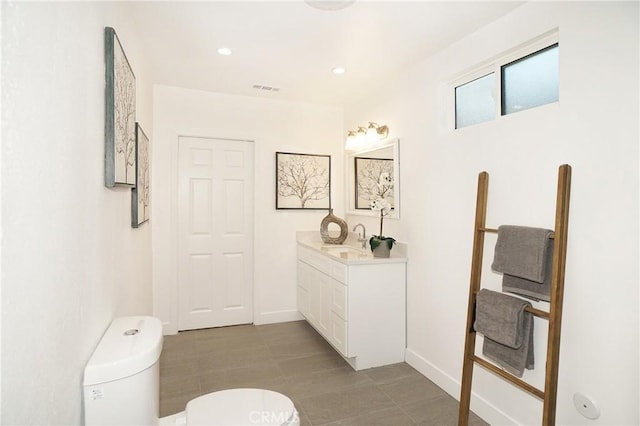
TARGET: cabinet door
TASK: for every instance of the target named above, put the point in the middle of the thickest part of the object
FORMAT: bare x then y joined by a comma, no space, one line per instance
302,289
326,286
315,297
339,299
309,296
338,337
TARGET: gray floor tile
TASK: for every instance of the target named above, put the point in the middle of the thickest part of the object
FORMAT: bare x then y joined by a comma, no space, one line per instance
212,381
393,416
221,345
411,389
176,366
299,348
325,381
264,376
178,386
389,373
311,363
233,359
441,411
292,358
173,405
341,405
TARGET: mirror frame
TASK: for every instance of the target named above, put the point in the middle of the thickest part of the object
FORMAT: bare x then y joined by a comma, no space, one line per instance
393,143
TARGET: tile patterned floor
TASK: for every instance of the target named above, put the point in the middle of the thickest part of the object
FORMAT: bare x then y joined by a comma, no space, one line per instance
292,358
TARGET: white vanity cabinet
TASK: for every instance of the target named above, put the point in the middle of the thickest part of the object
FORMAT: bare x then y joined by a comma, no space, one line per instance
358,307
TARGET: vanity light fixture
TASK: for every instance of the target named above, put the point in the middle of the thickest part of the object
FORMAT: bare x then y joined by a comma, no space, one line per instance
373,133
374,130
225,51
338,70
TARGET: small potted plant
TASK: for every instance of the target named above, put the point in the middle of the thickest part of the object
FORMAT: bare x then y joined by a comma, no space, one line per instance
380,245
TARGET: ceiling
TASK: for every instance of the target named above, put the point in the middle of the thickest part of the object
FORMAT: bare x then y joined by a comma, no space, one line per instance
292,46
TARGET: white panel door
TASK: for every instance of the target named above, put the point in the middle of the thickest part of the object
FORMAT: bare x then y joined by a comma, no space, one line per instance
215,232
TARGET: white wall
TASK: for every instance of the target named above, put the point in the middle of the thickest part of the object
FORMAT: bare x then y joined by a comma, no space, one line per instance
594,128
273,126
70,260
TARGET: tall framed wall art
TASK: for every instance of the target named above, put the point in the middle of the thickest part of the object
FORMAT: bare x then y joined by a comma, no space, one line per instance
140,194
120,114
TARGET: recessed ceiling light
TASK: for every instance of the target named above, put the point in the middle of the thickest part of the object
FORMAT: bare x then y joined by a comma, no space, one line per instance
329,4
338,70
224,51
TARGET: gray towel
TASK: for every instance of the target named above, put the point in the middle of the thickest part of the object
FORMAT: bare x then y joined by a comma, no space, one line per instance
507,329
521,251
531,289
500,317
513,360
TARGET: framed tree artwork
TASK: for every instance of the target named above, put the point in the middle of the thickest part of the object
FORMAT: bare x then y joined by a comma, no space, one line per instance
303,181
140,194
120,114
367,173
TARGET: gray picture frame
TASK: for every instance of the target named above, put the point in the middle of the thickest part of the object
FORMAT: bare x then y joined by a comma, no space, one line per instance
140,195
120,114
303,181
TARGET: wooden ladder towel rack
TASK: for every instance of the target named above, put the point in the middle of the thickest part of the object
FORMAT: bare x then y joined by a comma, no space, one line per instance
554,316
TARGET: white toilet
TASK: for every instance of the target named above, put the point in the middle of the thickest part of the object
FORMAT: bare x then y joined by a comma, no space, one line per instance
122,378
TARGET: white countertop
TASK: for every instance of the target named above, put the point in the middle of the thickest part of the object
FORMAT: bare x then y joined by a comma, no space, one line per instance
350,252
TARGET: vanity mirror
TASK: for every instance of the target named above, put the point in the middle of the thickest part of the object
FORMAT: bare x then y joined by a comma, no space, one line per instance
363,170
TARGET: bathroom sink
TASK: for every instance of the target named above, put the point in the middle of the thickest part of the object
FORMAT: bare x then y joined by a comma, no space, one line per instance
346,252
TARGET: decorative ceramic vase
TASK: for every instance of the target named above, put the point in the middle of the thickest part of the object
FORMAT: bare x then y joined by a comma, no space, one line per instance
324,229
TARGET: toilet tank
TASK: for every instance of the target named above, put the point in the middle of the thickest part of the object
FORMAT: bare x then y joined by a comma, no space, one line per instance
121,379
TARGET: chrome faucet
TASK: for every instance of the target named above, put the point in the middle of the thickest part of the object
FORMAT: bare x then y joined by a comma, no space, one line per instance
361,237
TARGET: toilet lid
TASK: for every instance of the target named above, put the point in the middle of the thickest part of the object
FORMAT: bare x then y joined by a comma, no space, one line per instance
240,407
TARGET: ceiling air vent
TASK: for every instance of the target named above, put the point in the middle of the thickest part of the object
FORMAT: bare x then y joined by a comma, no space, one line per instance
266,88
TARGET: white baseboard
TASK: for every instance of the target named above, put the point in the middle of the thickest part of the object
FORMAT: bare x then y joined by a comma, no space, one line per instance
480,406
277,316
169,328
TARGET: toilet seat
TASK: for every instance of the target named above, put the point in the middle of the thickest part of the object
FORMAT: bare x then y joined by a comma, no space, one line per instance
242,407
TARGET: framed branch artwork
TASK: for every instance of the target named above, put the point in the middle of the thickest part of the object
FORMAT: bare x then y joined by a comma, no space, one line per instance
368,172
140,194
120,114
303,181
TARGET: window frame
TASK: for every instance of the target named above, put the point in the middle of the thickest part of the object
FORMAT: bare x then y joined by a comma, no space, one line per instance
523,58
455,99
494,65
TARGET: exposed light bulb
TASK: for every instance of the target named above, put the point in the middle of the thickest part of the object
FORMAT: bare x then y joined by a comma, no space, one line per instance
350,144
372,131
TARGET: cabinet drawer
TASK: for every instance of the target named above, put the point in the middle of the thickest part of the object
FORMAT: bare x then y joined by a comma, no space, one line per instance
338,271
333,268
317,260
338,332
339,299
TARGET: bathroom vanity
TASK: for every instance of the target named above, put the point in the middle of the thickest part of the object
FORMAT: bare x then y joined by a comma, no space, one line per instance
355,301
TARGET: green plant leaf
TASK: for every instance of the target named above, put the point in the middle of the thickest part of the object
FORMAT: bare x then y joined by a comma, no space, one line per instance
390,242
376,240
